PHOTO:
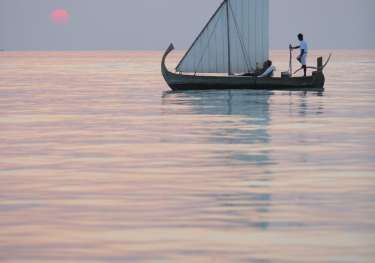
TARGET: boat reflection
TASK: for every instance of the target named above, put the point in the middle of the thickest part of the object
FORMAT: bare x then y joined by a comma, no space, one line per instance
249,111
305,108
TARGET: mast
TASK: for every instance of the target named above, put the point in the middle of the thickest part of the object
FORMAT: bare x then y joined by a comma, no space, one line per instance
228,38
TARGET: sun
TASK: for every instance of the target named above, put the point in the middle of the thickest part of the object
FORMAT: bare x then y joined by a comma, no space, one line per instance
60,16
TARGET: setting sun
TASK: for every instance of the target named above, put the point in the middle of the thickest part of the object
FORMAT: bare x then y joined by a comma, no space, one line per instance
60,16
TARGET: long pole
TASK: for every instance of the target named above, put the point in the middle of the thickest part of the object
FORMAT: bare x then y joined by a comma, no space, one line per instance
228,38
290,61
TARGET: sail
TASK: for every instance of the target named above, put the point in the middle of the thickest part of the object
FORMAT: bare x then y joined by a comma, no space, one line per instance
235,40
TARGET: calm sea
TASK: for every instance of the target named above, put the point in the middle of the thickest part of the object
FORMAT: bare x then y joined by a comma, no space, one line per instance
99,162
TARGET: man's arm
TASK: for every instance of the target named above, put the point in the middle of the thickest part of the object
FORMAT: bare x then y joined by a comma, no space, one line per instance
296,47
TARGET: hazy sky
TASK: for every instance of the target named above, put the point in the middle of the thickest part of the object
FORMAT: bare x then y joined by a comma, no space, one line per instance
153,24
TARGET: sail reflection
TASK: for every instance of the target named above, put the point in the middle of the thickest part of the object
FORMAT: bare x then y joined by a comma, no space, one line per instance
241,130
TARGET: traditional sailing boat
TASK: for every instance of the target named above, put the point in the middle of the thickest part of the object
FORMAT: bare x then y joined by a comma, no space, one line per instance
235,41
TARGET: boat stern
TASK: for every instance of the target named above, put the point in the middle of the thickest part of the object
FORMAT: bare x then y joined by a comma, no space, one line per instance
318,75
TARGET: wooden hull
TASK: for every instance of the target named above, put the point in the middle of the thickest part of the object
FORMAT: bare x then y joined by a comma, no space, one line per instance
190,82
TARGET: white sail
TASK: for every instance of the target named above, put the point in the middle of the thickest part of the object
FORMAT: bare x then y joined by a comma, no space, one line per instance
245,35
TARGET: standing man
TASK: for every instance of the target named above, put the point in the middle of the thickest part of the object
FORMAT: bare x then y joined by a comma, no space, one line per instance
302,58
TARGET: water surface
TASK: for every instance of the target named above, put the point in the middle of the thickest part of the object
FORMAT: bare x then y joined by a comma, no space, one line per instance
101,163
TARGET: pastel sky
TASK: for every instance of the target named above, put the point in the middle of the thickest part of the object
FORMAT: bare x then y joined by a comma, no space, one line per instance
153,24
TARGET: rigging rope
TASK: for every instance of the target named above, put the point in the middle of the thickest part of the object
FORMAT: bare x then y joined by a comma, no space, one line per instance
208,43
